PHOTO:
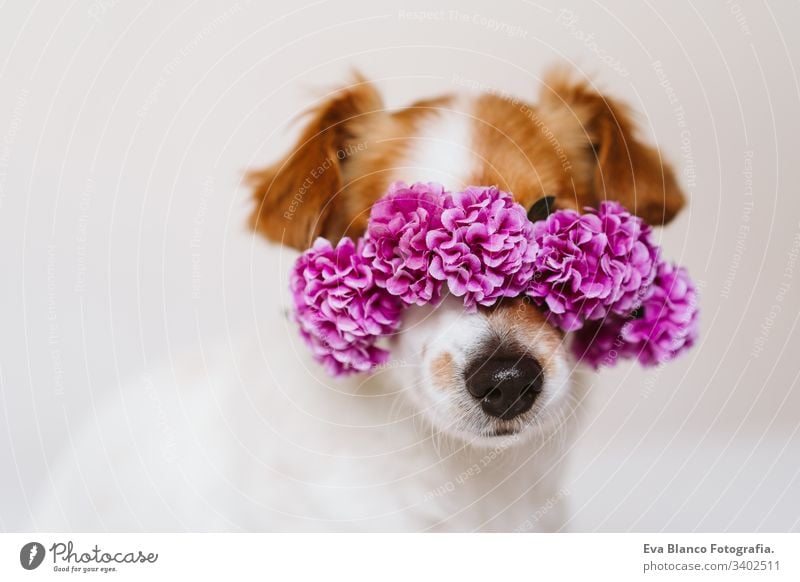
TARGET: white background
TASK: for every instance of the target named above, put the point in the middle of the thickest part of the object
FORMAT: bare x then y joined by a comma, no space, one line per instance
358,556
125,128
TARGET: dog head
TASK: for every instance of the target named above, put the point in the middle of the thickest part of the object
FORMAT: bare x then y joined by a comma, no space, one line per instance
503,370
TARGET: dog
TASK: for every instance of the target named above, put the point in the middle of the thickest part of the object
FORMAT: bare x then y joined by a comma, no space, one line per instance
466,428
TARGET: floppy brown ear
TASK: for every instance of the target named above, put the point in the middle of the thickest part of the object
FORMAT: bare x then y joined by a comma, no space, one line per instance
624,168
296,196
630,171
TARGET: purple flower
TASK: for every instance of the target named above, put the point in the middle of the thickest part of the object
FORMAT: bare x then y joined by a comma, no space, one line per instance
396,241
664,326
669,321
592,265
339,308
598,274
485,247
601,343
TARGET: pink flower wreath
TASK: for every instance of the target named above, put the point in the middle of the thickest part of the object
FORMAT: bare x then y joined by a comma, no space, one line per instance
598,274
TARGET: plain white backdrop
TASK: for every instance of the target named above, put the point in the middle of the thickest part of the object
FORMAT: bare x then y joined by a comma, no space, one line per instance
125,129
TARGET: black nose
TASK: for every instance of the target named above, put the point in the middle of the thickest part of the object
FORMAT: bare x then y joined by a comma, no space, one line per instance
506,387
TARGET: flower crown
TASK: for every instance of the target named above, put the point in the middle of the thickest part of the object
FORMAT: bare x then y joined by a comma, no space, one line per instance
598,274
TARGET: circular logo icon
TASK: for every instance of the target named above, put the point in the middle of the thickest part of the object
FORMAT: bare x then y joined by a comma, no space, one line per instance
31,555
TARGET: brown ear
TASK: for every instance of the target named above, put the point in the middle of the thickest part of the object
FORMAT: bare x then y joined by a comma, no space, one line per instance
624,168
631,172
295,196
